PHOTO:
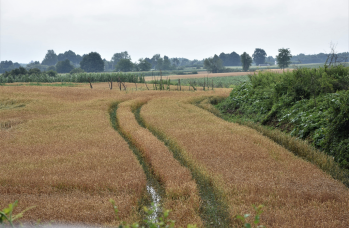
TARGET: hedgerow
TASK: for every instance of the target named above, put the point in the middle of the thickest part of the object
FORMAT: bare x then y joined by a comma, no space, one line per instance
311,104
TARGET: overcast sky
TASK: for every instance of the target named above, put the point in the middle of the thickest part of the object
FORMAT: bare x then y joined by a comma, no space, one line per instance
193,29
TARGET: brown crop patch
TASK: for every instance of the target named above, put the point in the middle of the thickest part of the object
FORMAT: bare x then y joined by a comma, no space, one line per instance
253,169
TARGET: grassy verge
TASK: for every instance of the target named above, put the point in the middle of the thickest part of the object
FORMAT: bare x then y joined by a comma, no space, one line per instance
214,210
151,180
297,146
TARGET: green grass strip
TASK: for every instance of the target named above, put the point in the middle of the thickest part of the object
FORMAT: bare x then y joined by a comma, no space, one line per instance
151,180
213,211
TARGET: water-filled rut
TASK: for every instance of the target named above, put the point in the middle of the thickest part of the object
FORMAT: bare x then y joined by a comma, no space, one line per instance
154,191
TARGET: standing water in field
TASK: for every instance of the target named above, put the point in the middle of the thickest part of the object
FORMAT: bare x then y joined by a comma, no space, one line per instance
155,199
153,187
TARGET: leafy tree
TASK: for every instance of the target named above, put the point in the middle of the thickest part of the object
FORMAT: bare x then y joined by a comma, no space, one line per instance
284,57
166,64
159,63
52,73
246,61
37,65
51,68
214,64
92,63
64,66
232,59
50,58
270,60
34,71
175,62
259,56
76,71
144,65
124,65
154,60
118,56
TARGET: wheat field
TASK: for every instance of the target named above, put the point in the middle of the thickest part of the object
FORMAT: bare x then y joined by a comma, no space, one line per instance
60,153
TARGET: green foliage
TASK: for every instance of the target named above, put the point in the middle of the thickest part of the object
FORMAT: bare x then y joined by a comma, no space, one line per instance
259,56
144,65
124,65
92,63
51,73
213,65
258,212
77,71
284,57
246,61
64,66
310,104
118,56
34,71
6,215
50,58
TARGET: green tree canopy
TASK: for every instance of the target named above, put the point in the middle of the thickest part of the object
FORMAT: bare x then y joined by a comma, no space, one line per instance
118,56
284,57
214,64
144,65
124,65
166,64
64,66
50,58
76,71
259,56
246,61
232,59
92,63
74,58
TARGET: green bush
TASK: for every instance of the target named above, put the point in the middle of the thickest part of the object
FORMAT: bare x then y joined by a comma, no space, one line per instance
311,104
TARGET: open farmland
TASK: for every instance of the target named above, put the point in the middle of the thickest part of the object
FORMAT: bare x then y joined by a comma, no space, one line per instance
62,152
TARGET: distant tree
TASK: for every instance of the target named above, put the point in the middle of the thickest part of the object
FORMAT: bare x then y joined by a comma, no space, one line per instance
118,56
50,58
270,60
175,61
124,65
259,56
284,57
34,71
144,65
76,71
166,64
51,68
246,61
92,63
6,66
51,73
159,63
214,64
64,66
154,60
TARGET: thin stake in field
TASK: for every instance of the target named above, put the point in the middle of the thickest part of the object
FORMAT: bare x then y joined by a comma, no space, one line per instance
89,80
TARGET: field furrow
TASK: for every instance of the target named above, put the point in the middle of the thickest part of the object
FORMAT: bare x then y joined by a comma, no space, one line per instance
64,157
181,194
250,168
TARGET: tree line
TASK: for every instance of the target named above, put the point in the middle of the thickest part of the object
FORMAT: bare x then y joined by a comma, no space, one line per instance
69,61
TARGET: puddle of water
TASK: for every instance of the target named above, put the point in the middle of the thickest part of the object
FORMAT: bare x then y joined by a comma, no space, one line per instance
155,199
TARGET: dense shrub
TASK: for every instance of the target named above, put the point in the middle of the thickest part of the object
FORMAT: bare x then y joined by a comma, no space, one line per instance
311,104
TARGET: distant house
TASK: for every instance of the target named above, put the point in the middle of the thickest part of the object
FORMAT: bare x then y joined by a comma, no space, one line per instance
265,64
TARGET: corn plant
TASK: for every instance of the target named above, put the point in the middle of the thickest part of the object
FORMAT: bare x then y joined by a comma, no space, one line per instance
256,221
6,215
